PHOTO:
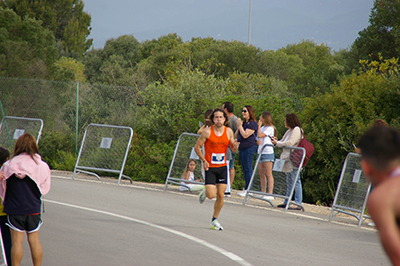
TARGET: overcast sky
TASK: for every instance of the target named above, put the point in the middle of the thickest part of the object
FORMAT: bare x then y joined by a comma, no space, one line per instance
274,23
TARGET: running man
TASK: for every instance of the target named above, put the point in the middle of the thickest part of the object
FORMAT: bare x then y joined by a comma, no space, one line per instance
216,140
380,151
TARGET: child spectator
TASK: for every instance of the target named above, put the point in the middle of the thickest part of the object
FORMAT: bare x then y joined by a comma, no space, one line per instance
188,174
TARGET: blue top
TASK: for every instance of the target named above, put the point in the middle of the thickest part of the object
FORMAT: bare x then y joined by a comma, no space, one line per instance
251,140
22,196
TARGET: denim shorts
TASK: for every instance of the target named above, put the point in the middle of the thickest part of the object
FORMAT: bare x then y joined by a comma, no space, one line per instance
270,157
232,161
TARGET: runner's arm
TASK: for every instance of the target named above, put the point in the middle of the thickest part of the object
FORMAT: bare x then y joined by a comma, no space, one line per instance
200,142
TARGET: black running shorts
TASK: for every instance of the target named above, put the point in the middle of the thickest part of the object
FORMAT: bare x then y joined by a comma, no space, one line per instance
216,175
28,223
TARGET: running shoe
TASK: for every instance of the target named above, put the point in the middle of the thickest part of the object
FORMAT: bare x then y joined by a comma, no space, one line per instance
268,197
242,193
202,195
215,225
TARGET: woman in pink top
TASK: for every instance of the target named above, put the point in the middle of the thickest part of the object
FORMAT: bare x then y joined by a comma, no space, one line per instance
26,178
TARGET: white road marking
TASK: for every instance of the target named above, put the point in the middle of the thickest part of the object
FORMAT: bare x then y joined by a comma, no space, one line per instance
232,202
228,254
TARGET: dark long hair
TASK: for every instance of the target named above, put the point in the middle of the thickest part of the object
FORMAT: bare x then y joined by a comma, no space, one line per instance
252,114
207,120
292,120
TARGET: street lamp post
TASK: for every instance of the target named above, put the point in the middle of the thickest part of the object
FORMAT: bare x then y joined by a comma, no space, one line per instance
249,23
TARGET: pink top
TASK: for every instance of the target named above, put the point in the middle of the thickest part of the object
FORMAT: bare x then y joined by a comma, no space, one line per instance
23,165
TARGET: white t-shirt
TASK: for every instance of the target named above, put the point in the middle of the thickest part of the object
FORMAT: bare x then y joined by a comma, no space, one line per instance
268,131
191,178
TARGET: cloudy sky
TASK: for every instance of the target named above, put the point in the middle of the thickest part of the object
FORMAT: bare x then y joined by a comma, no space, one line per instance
274,23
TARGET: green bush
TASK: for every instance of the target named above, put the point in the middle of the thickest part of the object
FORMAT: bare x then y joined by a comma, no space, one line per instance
57,149
149,161
333,121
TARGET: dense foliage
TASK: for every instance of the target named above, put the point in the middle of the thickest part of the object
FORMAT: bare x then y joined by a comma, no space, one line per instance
382,36
66,19
162,87
26,48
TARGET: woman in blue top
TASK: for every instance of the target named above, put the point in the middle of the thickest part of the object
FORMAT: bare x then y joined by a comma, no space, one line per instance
246,135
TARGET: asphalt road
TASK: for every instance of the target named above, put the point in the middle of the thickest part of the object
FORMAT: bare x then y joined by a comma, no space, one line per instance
98,223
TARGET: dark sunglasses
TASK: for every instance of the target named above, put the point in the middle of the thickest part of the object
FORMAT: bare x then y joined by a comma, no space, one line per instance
244,111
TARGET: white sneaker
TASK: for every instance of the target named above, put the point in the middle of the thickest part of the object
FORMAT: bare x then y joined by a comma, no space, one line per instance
268,197
202,195
371,224
216,225
242,193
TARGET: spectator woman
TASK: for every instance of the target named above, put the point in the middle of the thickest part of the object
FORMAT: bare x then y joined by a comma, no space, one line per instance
266,130
26,178
246,135
291,138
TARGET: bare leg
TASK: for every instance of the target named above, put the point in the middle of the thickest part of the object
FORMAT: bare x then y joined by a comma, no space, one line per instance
262,172
16,249
211,191
36,248
232,175
220,199
270,177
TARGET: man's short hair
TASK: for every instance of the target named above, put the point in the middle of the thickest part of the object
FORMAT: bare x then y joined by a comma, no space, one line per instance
380,146
228,106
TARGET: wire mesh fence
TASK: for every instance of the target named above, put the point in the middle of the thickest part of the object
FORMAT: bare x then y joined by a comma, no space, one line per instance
184,151
11,128
67,107
352,191
104,148
270,180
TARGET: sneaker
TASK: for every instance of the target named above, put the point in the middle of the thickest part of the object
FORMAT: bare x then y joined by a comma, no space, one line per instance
242,193
268,197
216,225
202,195
371,224
227,194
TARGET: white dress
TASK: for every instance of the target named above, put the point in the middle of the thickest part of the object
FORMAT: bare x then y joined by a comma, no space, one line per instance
193,187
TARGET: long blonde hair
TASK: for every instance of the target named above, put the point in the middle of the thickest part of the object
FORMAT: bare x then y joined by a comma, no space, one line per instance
268,121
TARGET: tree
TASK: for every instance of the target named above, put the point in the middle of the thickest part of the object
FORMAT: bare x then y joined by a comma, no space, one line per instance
69,69
383,34
177,105
333,121
114,63
65,18
319,69
26,48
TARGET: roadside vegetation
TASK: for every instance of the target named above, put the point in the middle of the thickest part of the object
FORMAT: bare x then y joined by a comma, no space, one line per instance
162,87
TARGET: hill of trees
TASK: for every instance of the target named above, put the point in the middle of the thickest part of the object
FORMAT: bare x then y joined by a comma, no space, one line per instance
162,87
